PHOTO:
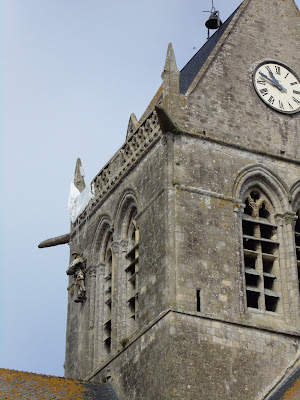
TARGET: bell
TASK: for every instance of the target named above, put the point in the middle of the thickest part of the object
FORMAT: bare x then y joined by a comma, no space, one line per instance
213,21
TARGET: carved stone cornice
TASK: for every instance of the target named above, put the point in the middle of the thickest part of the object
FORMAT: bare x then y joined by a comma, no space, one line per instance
132,150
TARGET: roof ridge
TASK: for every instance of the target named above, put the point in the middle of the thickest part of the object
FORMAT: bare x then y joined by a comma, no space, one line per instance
198,64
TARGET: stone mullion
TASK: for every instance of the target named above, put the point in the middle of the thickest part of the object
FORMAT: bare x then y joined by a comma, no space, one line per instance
281,270
238,217
290,277
260,271
119,293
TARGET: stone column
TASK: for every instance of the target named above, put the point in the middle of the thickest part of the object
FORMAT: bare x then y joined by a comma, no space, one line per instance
239,208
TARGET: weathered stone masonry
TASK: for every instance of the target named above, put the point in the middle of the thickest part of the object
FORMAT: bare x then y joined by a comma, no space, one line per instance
192,239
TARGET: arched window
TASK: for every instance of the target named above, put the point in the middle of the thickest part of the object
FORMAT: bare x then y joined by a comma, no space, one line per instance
297,241
106,257
132,269
261,251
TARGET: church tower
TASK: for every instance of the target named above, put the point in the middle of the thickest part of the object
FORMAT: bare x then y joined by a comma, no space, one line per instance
188,239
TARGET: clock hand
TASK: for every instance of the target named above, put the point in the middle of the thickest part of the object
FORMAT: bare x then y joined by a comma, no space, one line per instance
277,81
268,79
272,75
274,82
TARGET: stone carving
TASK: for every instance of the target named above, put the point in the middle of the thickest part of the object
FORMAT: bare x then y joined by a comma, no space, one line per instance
256,205
77,268
290,218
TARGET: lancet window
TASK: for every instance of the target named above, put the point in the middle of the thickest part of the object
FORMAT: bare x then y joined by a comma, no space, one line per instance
108,295
261,247
132,269
297,241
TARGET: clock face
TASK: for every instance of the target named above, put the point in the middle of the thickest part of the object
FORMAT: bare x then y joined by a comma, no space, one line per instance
278,86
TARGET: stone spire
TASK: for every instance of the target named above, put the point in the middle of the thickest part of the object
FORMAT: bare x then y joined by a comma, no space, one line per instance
170,77
79,176
133,124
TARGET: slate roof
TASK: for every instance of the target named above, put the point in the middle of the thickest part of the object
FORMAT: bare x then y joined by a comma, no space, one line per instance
289,389
17,385
191,69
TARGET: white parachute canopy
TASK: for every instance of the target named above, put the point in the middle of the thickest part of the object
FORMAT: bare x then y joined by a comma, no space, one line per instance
79,201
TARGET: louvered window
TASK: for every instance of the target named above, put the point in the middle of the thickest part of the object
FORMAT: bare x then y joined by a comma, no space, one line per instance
108,299
261,245
132,269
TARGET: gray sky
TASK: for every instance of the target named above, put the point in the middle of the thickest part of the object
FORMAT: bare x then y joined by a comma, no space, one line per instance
72,73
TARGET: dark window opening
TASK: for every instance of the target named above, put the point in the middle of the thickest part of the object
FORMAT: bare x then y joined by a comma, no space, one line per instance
249,244
297,238
198,300
131,305
255,195
248,227
250,262
269,282
267,247
271,303
263,212
267,266
107,344
248,209
252,280
252,299
266,231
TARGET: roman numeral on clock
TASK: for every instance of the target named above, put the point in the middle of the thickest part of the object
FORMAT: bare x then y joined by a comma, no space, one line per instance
261,82
278,70
291,107
264,92
268,68
296,92
294,83
271,100
296,100
281,105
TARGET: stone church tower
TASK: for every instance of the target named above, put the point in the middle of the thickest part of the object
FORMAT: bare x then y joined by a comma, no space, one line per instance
189,247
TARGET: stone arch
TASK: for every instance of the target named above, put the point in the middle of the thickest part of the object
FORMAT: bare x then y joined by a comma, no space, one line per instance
127,234
262,178
101,237
295,193
126,210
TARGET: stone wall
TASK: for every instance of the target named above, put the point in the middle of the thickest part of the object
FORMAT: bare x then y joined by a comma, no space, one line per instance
223,102
189,356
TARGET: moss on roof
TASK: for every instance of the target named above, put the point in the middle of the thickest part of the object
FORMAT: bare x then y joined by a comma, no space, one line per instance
15,385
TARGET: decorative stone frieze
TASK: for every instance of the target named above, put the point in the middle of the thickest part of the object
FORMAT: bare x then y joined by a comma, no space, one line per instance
136,145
